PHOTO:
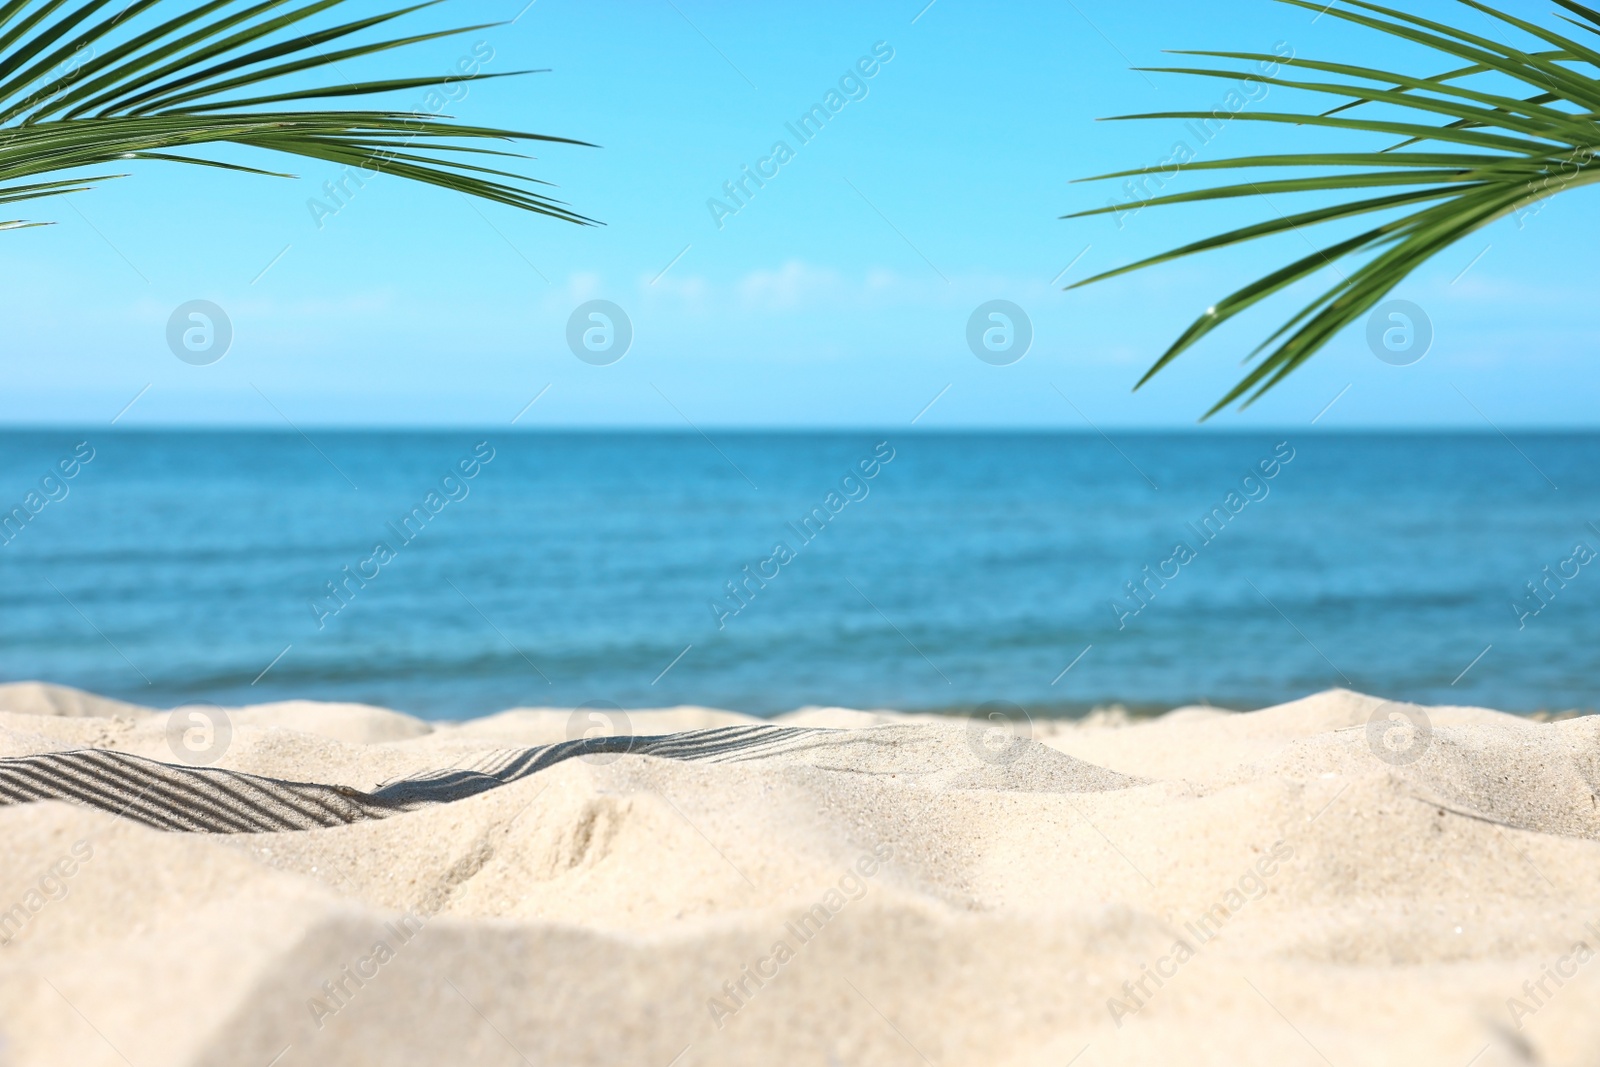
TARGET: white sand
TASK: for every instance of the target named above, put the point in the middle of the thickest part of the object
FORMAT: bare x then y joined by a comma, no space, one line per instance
595,912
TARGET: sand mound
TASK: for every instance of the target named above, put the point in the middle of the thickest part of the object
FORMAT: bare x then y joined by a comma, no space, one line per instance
360,724
42,698
1337,880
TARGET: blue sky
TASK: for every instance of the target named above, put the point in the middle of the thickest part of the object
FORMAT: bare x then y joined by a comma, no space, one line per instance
838,295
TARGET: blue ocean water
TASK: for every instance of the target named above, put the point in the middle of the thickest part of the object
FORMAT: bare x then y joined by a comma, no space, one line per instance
937,571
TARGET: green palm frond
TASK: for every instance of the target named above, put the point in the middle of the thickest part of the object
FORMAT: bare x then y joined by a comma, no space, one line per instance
90,83
1456,157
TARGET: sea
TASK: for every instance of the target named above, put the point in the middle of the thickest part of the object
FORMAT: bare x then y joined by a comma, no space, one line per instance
452,574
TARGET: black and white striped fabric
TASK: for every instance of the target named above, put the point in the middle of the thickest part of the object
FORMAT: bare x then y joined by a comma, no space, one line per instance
206,800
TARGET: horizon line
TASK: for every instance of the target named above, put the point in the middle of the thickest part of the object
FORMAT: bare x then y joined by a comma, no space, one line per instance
667,430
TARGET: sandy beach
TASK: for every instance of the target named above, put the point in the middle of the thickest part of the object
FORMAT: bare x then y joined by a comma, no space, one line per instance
1333,880
827,535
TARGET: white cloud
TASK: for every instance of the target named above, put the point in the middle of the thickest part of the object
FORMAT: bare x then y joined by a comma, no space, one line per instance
788,287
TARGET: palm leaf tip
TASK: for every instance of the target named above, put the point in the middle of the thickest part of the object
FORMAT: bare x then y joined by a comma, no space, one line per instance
83,84
1465,152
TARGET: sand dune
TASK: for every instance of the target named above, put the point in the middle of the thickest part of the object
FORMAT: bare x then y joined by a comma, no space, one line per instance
1337,880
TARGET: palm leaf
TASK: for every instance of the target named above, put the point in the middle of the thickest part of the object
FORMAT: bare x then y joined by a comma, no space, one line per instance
1466,155
85,83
